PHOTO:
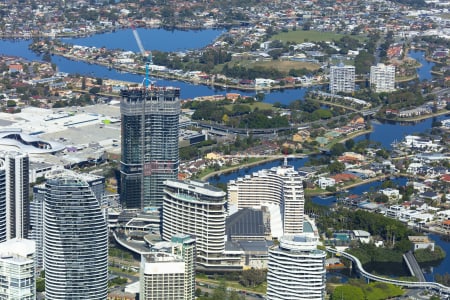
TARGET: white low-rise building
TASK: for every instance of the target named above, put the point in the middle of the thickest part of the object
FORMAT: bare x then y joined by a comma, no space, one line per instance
392,194
325,182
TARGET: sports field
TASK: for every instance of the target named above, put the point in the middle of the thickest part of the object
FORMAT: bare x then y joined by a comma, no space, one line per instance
300,36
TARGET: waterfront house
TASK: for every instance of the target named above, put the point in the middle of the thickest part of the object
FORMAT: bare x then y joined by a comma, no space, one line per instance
421,242
430,196
325,182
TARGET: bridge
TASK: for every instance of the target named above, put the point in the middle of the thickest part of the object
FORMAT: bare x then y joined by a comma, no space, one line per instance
440,288
413,266
223,130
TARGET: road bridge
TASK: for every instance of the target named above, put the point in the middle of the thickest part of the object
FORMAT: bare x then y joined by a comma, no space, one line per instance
443,290
413,266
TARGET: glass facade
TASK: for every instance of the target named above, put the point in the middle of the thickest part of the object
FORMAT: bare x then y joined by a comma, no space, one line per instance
150,121
2,202
75,241
17,194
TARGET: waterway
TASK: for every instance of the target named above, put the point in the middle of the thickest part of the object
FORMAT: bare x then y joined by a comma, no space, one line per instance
124,39
384,133
424,72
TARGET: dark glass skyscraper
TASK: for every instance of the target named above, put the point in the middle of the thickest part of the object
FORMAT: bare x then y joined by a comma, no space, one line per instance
14,195
150,120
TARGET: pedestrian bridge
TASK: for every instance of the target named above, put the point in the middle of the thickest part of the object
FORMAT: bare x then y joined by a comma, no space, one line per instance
441,289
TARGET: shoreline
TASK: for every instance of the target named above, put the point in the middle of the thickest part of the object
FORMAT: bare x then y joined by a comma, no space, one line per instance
171,76
417,118
241,166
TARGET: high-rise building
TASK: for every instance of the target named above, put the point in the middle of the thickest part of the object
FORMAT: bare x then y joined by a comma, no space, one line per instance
280,186
2,201
185,247
150,119
342,79
17,188
37,223
196,208
382,78
162,276
296,269
182,248
95,182
17,271
75,241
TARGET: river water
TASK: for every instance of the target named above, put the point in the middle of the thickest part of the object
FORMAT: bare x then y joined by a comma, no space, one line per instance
177,40
125,40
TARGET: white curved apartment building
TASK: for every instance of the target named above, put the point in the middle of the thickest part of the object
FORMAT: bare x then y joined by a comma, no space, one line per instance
280,186
198,209
296,269
75,241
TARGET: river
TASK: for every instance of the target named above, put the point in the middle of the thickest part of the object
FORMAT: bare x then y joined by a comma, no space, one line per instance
385,133
123,39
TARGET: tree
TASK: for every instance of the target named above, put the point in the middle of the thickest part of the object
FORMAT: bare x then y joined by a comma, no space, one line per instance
47,57
11,103
336,167
198,292
252,277
94,90
349,144
337,149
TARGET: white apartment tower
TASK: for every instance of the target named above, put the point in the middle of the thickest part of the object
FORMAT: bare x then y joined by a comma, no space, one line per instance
280,186
95,182
75,241
382,78
168,255
342,79
17,272
196,208
296,269
162,276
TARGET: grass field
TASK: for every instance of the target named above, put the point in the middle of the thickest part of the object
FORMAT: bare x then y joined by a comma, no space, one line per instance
300,36
282,66
259,105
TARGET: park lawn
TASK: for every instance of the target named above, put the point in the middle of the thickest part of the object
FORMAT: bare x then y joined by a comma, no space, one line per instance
301,36
255,105
371,291
380,291
286,65
281,65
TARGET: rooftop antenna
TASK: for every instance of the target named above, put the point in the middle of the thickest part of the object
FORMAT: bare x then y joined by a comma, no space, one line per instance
148,58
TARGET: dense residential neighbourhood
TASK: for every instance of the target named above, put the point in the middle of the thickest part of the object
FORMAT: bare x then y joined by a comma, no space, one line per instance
142,162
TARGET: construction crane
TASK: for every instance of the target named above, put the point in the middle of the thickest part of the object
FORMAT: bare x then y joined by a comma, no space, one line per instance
148,58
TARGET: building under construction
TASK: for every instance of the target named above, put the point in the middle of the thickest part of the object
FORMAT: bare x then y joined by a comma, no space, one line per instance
150,119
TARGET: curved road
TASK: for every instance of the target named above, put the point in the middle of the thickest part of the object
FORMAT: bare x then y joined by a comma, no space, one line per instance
441,289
